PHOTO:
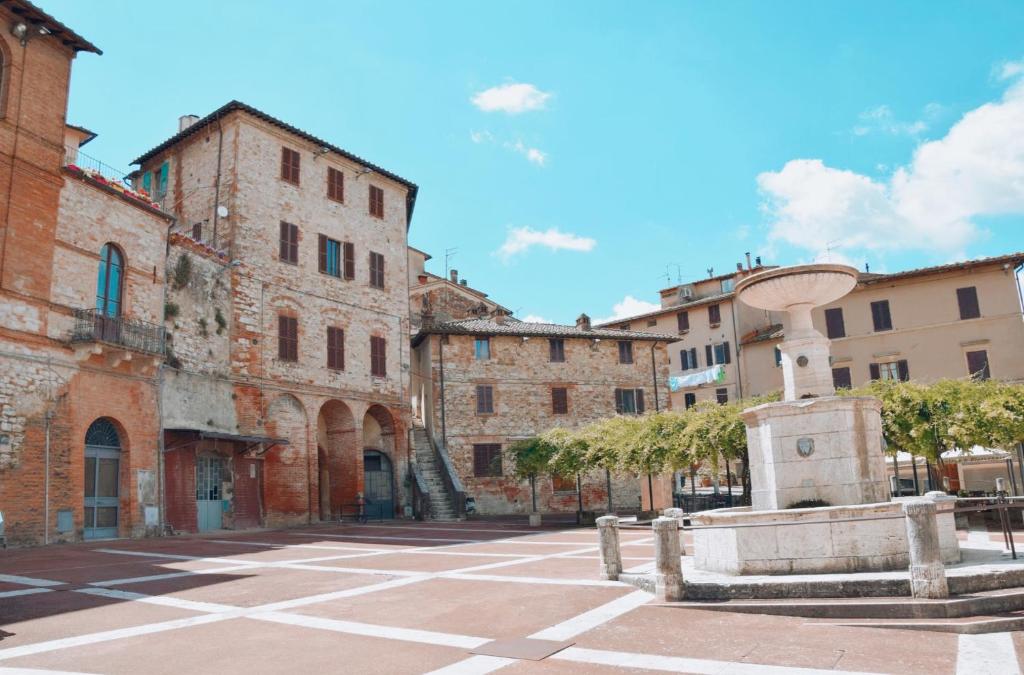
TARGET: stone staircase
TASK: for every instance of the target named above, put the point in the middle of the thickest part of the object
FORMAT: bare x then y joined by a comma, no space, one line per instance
426,460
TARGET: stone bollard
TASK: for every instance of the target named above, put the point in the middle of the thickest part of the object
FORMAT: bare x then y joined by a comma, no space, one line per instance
677,514
668,568
608,539
927,574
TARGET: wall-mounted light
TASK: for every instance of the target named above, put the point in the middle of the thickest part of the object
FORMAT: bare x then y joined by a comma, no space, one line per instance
19,30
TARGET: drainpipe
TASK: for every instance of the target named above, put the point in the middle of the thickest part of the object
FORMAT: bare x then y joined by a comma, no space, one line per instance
736,341
46,479
654,377
444,431
161,369
216,186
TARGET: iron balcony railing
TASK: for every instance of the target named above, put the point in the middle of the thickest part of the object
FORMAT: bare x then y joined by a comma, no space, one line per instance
92,325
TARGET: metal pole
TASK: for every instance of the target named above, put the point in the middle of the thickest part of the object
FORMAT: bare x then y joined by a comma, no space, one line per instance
650,490
533,490
579,494
728,480
440,349
1013,478
693,481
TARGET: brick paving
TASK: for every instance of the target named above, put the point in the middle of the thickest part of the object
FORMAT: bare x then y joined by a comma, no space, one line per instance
410,598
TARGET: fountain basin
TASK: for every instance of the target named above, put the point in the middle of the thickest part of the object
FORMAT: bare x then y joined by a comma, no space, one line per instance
830,539
782,288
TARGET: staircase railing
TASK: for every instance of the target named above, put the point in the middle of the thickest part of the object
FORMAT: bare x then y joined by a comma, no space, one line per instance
451,479
420,495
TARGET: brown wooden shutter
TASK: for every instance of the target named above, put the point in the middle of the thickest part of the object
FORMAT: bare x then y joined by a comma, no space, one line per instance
977,364
841,378
378,361
284,248
287,338
714,314
709,352
335,184
335,348
693,357
875,372
321,246
880,316
639,397
619,406
967,299
728,359
559,401
282,337
683,321
290,165
835,327
903,369
350,260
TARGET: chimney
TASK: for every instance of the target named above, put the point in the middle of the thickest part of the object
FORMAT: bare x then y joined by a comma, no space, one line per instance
748,260
463,282
454,276
185,121
583,322
757,261
867,267
739,267
422,279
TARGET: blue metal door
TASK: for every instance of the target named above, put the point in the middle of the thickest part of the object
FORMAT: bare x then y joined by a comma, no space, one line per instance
209,500
378,485
102,480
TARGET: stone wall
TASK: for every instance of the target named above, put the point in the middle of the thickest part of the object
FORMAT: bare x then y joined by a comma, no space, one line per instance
522,377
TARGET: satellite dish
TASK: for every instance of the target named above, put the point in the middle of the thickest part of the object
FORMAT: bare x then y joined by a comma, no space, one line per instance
222,211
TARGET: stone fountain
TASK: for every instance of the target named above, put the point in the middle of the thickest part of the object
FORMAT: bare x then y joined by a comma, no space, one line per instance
812,449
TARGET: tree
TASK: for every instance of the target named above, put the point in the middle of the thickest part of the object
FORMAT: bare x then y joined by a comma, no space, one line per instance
532,457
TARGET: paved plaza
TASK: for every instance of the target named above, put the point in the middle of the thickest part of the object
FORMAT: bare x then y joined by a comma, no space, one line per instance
411,598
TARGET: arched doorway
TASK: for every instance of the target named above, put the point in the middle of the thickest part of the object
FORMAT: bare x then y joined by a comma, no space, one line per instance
102,480
338,464
379,482
378,470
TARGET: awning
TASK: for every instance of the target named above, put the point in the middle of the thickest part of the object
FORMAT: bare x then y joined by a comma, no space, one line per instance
250,442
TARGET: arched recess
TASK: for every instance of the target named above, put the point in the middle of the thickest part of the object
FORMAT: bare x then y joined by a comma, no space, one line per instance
286,470
104,457
379,462
340,463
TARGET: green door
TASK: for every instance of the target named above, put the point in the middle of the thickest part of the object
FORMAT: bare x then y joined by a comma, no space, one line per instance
209,502
102,480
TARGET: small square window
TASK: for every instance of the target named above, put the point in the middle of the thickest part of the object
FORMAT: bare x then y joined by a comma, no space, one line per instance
487,460
482,349
484,399
559,401
556,350
625,351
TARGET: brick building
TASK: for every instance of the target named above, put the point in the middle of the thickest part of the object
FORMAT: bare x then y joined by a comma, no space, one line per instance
81,281
495,380
287,391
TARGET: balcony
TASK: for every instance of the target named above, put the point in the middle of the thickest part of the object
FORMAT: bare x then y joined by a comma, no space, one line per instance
118,338
92,169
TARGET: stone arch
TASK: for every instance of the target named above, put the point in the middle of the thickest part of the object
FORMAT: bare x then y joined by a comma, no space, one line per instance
380,435
286,469
379,430
341,459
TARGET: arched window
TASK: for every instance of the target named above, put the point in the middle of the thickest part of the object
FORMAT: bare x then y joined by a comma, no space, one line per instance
109,281
102,480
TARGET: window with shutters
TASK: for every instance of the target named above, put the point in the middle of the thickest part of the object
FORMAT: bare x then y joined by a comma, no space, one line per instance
714,315
197,231
689,400
778,357
688,358
287,338
378,357
880,316
376,201
718,354
835,327
897,371
349,251
556,350
289,249
629,401
329,255
625,351
967,299
683,321
722,395
482,348
486,460
335,184
484,399
335,348
559,401
977,365
290,165
841,378
376,270
728,285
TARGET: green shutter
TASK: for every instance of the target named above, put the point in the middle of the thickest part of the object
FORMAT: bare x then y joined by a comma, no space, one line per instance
162,183
147,181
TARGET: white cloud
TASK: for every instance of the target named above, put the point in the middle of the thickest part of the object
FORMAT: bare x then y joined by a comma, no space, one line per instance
881,119
1010,69
533,318
534,155
481,137
521,239
512,98
627,307
931,204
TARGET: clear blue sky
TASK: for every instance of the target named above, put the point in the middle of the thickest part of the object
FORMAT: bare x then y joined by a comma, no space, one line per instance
642,140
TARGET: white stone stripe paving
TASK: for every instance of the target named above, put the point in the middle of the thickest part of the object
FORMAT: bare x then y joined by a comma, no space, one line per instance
546,581
28,581
24,591
373,630
163,600
378,551
986,654
680,664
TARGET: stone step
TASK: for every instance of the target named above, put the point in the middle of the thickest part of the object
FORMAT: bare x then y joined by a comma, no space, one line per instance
974,625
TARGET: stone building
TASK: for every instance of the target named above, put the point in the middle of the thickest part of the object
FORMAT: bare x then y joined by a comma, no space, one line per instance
445,298
957,320
287,392
81,296
495,380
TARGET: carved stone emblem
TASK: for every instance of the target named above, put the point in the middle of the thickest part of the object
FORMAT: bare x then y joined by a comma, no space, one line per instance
805,447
